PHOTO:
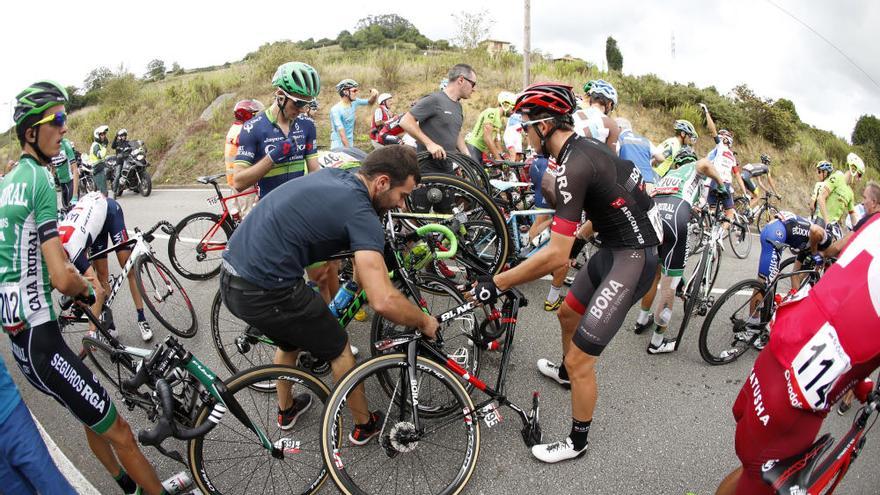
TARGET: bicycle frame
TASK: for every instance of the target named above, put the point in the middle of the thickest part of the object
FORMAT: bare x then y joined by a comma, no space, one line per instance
205,244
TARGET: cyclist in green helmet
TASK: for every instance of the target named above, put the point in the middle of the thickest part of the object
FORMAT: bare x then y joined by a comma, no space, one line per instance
685,135
32,264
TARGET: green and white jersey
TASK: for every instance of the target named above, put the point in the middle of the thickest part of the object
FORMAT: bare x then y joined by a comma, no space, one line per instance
63,161
683,182
28,215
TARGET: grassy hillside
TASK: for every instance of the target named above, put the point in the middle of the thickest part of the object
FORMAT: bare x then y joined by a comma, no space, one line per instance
165,114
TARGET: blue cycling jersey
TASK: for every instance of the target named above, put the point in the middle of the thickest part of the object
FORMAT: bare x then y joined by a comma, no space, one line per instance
342,117
790,230
261,134
637,149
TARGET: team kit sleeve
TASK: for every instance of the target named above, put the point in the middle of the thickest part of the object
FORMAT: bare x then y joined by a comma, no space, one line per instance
247,149
45,205
311,136
336,119
572,185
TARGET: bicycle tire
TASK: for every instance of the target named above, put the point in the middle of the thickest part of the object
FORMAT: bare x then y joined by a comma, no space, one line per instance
717,268
225,330
766,214
352,477
204,453
185,323
459,334
740,230
692,294
108,361
472,204
727,354
184,245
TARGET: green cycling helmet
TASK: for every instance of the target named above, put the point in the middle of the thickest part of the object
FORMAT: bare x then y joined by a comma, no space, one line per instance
684,156
299,78
36,98
587,86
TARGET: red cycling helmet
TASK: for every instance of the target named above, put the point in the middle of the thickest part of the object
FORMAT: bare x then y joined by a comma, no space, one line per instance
246,109
553,97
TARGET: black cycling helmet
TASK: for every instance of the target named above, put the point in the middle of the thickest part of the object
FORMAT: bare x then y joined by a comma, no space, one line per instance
684,156
765,158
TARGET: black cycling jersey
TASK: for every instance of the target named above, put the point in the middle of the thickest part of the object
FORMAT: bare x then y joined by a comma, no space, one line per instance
755,169
611,191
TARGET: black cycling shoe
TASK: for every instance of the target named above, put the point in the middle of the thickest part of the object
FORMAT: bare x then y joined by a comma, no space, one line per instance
640,328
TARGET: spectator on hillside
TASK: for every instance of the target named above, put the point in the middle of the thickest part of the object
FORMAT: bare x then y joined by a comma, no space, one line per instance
342,114
381,116
435,120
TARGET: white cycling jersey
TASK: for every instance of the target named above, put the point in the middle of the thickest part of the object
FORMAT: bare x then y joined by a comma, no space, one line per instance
83,223
513,134
591,120
724,161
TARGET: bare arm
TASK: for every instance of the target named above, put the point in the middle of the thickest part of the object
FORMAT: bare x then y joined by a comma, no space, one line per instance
705,167
374,93
489,139
74,172
713,131
462,146
554,255
312,163
343,137
613,134
244,177
823,195
64,276
384,298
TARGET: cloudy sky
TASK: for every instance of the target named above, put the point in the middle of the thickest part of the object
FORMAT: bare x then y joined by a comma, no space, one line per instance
721,43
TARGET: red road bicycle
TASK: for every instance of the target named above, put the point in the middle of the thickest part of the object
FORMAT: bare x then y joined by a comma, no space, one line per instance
196,246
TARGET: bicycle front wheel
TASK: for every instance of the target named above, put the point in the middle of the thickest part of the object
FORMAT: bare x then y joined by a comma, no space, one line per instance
109,362
765,215
731,326
230,459
165,297
239,345
438,457
740,237
195,248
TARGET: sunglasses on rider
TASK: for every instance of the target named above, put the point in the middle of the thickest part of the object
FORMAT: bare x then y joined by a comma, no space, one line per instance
57,119
527,123
297,102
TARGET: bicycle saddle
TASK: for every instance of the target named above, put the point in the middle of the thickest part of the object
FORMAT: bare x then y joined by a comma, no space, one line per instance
503,185
210,179
793,473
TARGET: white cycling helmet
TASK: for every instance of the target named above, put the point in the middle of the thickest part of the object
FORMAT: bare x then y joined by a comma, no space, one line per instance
604,88
383,98
101,129
855,163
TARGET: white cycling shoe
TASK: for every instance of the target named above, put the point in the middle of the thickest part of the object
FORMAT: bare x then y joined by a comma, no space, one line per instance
562,450
146,331
551,371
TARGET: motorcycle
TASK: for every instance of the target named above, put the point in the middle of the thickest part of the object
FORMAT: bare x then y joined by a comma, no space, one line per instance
133,175
87,174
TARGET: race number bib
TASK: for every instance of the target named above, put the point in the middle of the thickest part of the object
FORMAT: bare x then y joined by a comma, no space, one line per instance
820,362
668,185
10,306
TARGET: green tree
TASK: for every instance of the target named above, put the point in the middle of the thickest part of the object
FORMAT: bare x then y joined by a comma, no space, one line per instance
97,78
867,135
613,55
155,70
472,28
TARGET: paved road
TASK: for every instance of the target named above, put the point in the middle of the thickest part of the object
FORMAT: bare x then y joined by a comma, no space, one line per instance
663,423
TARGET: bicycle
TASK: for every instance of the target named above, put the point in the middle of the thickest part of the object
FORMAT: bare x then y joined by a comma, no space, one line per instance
739,234
766,212
195,248
818,470
187,401
748,324
697,289
240,345
431,426
161,292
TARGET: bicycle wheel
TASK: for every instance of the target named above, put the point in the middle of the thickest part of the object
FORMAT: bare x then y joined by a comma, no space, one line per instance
726,333
165,297
195,248
438,458
239,345
740,237
468,204
230,459
109,362
692,294
765,215
696,226
459,334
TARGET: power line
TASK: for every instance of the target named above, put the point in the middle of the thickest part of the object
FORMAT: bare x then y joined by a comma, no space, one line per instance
826,40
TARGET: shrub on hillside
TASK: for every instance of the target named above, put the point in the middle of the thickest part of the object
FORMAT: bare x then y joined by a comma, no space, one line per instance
389,64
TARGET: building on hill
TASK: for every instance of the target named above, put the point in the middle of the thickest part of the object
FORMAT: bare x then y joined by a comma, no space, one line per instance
494,47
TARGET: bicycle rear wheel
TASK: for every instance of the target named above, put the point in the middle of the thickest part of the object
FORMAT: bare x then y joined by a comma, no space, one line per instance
239,345
765,215
727,332
230,459
165,297
692,294
194,250
112,364
438,458
740,237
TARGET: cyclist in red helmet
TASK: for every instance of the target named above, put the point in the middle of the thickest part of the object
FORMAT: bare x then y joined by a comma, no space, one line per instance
590,179
243,111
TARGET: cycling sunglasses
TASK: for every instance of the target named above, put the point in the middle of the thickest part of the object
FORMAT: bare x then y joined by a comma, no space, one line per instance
526,123
297,102
57,119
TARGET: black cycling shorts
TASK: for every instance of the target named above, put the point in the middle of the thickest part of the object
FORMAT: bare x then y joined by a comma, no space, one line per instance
114,229
605,290
675,213
295,318
45,360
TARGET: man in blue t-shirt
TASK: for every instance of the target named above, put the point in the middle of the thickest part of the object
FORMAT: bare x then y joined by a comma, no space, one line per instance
25,464
342,114
280,144
308,221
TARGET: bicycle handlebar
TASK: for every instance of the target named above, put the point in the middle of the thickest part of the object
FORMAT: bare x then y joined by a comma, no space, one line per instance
166,426
446,232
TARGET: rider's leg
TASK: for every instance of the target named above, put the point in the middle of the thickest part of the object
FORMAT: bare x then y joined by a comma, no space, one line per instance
357,400
648,301
121,440
100,292
122,256
103,273
728,484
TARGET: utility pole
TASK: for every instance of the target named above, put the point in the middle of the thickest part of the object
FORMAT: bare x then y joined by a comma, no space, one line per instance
527,43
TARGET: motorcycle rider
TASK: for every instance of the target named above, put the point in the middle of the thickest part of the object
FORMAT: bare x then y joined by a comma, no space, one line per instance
97,155
123,147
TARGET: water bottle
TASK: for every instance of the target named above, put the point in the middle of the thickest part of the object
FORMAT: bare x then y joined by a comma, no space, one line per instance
179,483
343,298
